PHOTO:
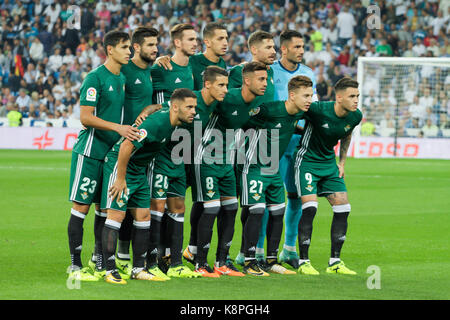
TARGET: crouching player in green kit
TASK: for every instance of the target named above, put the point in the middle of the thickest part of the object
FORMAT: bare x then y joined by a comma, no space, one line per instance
125,184
316,171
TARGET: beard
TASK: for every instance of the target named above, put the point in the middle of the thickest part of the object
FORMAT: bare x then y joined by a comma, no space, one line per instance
146,59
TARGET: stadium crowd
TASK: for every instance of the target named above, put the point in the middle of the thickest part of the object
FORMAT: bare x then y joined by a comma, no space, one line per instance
46,51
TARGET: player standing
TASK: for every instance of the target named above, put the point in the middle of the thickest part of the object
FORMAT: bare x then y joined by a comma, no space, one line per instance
261,183
168,180
316,171
292,49
101,111
215,180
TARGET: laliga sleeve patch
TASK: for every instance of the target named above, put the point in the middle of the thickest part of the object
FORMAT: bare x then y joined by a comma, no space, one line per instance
142,134
91,94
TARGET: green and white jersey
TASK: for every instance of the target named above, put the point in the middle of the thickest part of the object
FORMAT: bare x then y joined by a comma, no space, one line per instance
235,81
138,91
199,63
275,127
166,81
104,91
323,130
203,114
232,113
155,131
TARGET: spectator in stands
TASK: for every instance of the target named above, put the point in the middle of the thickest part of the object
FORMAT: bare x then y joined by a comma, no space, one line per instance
417,110
345,24
418,49
23,101
426,100
384,49
37,50
14,116
30,74
55,60
430,129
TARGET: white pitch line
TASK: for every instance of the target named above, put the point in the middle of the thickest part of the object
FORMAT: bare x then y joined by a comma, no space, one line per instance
32,168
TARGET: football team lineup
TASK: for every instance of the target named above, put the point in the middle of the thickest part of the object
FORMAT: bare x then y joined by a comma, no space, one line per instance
120,167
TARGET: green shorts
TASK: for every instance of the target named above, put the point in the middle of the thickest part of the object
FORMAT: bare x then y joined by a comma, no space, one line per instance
166,183
138,190
85,179
212,181
256,188
318,178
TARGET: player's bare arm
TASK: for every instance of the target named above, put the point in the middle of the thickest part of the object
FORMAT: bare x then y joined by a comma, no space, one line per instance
120,186
345,144
88,119
148,110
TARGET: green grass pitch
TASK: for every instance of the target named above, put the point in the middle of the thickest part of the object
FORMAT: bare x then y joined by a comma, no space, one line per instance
400,222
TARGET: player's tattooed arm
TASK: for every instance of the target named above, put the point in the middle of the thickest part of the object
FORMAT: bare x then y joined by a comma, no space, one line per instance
120,185
148,110
164,61
88,119
345,144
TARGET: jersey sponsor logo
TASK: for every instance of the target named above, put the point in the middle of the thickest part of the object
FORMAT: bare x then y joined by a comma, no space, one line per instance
110,88
253,111
278,81
142,134
137,81
91,94
326,126
177,80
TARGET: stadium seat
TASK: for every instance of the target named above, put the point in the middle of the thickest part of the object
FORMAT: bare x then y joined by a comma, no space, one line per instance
38,123
26,122
387,132
412,132
4,122
446,133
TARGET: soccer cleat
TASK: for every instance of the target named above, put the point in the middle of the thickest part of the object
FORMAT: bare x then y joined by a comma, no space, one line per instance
100,274
206,271
289,257
142,274
275,267
157,272
189,256
307,268
124,267
164,263
81,274
263,265
339,267
182,271
227,269
253,268
240,259
114,278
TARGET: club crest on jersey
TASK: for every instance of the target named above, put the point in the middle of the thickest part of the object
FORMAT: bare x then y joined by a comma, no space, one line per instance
91,94
84,195
120,203
142,134
256,196
309,188
254,111
160,192
210,193
347,127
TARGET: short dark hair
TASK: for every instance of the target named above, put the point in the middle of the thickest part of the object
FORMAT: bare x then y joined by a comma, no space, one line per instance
113,38
345,83
257,37
212,72
209,29
182,93
177,30
287,35
143,32
299,81
252,67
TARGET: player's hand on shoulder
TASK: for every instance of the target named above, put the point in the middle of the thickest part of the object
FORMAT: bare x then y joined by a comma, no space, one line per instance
129,132
164,61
